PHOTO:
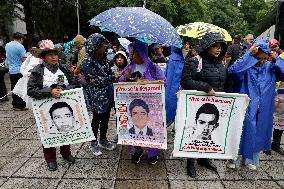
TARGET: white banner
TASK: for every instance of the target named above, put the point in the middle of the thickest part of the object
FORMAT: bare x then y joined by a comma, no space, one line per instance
140,113
209,126
63,120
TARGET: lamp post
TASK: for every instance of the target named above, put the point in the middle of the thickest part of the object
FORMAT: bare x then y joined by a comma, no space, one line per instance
144,4
77,5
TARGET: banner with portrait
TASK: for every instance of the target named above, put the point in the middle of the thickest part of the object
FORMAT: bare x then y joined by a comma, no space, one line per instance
278,116
140,114
63,120
209,126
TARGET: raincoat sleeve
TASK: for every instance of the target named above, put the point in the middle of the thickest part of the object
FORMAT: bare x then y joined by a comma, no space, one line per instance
189,78
242,65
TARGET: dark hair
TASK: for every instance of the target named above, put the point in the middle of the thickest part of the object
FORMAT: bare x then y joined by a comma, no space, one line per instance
18,36
138,102
208,108
58,105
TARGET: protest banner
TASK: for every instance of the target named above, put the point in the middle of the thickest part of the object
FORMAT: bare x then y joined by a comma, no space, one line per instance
140,113
209,126
278,116
63,120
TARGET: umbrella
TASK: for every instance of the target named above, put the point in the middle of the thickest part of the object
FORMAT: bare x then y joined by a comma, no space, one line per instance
138,22
199,29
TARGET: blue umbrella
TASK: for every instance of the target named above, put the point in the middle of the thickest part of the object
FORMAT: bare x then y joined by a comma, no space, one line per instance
139,23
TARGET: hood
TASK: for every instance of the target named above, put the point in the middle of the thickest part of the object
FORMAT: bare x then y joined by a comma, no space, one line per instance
79,39
120,52
263,45
93,42
210,39
142,49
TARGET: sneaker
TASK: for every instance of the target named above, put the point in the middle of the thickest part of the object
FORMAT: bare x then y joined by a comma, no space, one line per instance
251,167
95,148
70,159
136,157
52,166
20,109
105,144
153,160
231,164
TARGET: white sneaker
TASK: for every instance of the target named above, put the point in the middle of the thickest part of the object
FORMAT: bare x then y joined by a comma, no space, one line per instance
251,167
95,148
231,165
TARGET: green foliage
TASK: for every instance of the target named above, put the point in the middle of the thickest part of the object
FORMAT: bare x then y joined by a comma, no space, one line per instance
53,18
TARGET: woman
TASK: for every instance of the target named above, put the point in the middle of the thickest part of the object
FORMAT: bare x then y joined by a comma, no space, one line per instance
99,89
208,75
141,68
43,84
120,62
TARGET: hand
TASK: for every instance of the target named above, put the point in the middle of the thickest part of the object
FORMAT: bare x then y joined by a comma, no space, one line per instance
56,93
127,74
254,50
211,93
274,54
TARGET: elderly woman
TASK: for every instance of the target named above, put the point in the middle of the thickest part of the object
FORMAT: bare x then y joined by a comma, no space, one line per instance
142,68
43,84
99,89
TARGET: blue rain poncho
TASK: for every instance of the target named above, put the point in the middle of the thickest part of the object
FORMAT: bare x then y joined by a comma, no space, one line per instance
259,84
173,75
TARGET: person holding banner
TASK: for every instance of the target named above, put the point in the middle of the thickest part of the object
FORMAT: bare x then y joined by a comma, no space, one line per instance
208,75
257,77
99,89
44,83
141,68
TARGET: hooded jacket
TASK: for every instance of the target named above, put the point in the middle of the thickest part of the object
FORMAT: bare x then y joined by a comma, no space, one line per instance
213,73
98,75
259,84
152,71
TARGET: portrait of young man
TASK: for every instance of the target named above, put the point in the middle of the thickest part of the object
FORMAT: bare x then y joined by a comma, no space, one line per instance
62,116
139,112
206,121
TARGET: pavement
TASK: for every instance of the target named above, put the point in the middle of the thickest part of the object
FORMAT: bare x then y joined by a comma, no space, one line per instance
22,164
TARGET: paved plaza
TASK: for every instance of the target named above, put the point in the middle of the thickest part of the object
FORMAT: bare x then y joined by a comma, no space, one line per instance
22,164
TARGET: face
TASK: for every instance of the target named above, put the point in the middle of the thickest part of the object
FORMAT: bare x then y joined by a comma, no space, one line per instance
159,51
261,57
51,57
139,117
215,49
276,48
101,49
136,57
79,46
119,60
249,39
205,124
186,46
63,119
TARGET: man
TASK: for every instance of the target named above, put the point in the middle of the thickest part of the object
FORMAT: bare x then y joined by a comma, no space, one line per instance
158,56
206,120
186,48
62,116
139,111
234,50
248,41
15,52
277,134
257,78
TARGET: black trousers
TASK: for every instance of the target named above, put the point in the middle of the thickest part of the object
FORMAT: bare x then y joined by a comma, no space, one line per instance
277,134
3,89
101,121
17,101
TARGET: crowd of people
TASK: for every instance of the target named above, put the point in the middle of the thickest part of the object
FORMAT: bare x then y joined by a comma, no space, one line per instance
246,66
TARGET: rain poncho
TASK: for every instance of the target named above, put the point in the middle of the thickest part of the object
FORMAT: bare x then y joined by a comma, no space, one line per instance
173,75
152,71
259,84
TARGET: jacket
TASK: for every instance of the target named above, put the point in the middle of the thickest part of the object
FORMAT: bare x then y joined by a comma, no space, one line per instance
35,83
259,84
